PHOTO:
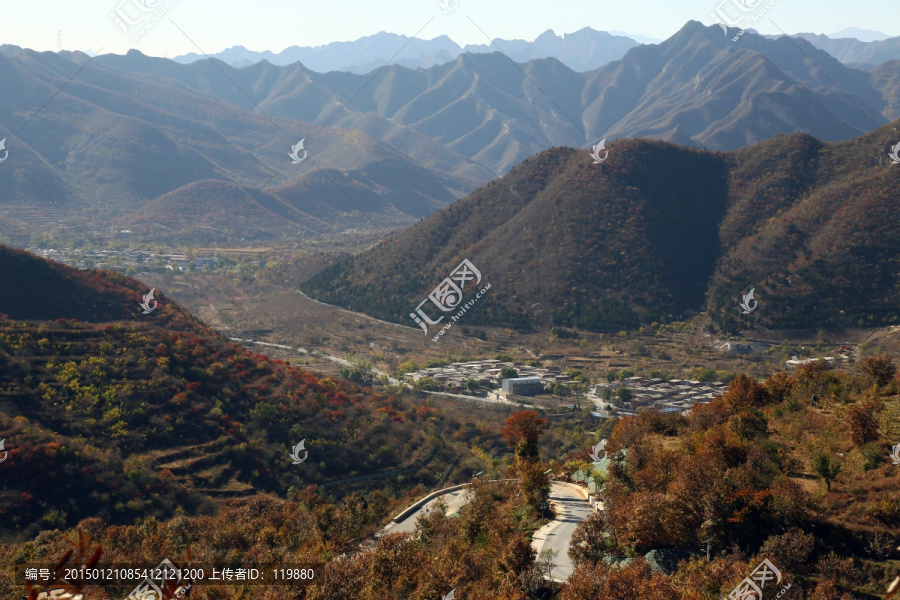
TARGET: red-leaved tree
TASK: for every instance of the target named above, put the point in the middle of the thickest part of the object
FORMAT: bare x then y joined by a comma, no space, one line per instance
522,432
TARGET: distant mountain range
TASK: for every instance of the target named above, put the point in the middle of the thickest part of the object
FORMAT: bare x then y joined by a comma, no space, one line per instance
696,88
851,51
654,233
115,148
187,152
582,50
863,35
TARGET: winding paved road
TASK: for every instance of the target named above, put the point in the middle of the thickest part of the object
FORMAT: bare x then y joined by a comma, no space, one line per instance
571,508
454,501
567,500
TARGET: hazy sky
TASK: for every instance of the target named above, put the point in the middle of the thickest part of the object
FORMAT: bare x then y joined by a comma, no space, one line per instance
276,24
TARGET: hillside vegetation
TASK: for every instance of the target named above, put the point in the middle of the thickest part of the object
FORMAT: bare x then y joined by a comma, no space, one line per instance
758,473
761,474
139,415
658,233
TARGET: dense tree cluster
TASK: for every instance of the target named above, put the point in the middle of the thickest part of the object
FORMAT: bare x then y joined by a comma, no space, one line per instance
100,406
721,476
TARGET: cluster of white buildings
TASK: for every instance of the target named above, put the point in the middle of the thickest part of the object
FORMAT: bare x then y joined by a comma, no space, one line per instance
141,260
674,395
486,373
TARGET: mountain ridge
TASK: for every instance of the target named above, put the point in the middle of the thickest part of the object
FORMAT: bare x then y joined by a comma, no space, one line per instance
849,50
154,415
657,232
584,49
138,137
384,152
481,107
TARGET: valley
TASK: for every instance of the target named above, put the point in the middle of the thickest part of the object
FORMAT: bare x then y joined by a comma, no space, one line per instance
591,316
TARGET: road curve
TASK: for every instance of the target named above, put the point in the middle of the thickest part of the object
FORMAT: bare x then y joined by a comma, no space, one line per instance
454,501
571,509
568,503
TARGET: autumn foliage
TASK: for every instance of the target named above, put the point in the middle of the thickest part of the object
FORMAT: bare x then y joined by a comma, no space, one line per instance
522,431
880,370
862,421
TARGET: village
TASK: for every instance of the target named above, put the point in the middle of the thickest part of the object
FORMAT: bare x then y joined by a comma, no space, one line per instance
129,261
486,373
635,394
611,399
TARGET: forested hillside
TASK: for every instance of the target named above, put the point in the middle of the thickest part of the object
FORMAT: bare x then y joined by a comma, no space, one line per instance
137,415
658,232
758,474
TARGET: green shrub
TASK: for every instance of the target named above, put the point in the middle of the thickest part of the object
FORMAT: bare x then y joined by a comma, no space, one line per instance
872,457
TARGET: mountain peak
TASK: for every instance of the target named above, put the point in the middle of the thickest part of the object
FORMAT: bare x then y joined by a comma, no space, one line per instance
691,30
863,35
693,26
